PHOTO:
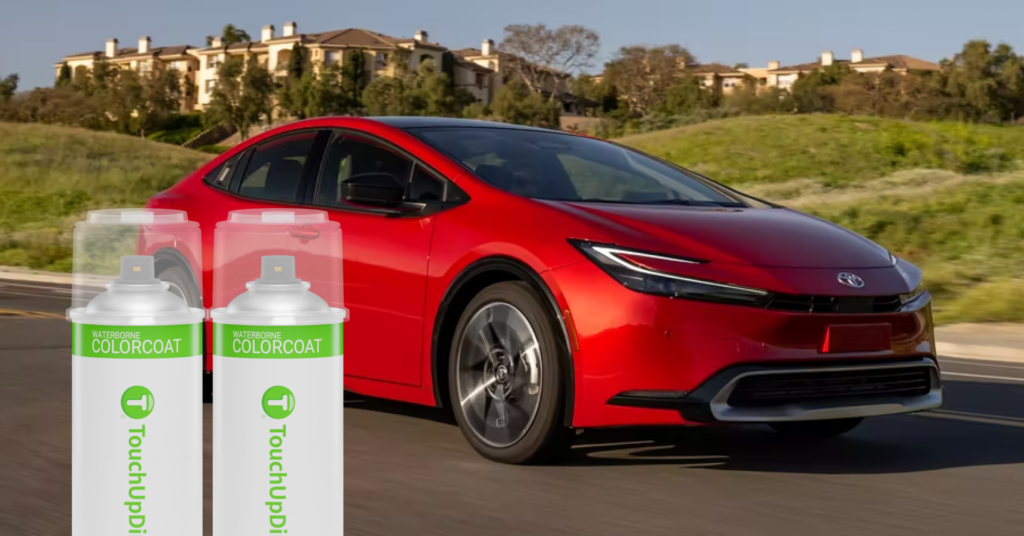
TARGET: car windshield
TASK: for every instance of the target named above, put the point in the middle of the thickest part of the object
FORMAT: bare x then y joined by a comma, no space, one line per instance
563,167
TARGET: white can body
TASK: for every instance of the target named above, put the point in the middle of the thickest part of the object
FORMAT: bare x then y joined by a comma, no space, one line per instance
277,473
140,470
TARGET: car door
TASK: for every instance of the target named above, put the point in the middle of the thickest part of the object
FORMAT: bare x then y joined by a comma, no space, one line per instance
386,253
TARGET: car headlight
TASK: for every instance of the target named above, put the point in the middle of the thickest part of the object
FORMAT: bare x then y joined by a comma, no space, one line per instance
618,263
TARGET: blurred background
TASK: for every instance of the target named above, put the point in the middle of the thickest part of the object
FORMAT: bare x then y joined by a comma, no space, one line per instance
903,121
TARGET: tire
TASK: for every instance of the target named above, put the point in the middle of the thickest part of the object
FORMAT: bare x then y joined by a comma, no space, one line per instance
816,430
507,363
183,285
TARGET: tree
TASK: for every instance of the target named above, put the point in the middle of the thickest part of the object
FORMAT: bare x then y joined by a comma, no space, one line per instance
987,82
644,75
8,87
537,54
354,75
230,35
687,96
387,95
160,98
64,75
425,92
318,93
298,62
514,103
242,95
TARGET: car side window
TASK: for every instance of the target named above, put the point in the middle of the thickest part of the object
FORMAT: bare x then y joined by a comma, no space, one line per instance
220,176
424,186
348,158
275,168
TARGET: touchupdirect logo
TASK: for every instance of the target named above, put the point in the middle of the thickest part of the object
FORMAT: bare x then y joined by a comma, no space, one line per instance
137,402
278,402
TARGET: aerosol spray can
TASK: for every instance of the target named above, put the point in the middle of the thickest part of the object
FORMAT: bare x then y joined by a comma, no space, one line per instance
137,415
277,411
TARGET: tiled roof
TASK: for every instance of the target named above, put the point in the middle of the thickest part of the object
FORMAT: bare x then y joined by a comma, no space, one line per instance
715,68
472,66
133,52
897,61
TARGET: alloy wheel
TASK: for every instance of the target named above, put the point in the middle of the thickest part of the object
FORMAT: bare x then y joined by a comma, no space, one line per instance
499,374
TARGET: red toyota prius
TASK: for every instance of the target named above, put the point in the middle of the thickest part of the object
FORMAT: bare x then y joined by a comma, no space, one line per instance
537,281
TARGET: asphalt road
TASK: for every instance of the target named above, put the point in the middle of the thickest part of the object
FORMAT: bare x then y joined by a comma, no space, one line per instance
959,470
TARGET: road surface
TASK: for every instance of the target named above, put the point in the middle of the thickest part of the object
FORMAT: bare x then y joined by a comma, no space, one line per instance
408,470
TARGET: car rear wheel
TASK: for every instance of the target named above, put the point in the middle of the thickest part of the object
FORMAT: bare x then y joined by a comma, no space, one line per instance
506,379
183,286
816,430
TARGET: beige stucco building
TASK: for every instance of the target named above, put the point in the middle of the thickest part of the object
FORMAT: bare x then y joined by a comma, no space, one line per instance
477,71
784,77
143,58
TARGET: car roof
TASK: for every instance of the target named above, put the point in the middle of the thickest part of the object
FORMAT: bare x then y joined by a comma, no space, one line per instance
408,122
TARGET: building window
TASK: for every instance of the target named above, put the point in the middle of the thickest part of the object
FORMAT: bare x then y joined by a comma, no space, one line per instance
381,60
331,56
480,80
143,66
210,84
212,62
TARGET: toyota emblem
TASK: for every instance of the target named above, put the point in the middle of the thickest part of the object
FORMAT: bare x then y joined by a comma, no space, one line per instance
850,280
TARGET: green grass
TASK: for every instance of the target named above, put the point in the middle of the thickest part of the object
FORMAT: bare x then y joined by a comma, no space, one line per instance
962,220
831,149
50,176
947,196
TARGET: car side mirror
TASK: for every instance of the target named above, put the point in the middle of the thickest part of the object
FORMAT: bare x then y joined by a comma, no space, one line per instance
374,189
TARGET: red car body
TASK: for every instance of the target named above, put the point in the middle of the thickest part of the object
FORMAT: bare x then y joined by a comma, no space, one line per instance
403,276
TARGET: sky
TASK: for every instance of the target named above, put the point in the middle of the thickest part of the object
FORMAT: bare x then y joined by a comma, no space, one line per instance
36,34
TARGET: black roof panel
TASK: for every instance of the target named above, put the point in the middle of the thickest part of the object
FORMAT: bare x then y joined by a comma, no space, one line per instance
406,122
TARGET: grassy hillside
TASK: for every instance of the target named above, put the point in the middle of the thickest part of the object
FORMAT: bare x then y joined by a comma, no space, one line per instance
50,176
830,149
948,197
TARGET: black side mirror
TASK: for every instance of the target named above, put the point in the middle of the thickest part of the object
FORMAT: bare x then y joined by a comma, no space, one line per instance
375,189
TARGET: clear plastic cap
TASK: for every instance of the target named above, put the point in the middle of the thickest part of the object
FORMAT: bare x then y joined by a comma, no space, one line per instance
108,238
263,247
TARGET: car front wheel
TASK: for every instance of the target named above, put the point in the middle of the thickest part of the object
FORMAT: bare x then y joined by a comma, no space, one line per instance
505,377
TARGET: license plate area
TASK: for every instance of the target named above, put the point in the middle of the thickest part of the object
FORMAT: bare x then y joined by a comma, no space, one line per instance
844,338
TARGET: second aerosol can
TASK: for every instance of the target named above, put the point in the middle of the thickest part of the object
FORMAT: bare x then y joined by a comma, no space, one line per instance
277,411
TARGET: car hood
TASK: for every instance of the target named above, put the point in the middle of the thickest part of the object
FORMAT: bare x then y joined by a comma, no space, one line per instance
769,237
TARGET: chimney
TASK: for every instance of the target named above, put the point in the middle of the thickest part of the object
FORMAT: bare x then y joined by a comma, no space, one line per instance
144,43
290,29
773,65
826,59
857,55
421,36
268,33
487,48
217,42
111,47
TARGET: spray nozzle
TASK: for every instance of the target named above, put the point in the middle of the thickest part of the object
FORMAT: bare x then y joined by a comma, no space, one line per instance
137,270
277,270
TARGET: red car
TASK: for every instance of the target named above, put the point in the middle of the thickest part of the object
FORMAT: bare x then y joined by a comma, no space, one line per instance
537,281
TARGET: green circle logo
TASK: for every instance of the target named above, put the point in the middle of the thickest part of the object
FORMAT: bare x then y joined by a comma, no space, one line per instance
278,402
137,402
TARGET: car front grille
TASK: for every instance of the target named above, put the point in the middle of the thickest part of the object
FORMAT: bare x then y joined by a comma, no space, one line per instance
833,304
766,390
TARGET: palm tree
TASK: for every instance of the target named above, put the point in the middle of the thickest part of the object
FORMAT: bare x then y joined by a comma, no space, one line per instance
230,35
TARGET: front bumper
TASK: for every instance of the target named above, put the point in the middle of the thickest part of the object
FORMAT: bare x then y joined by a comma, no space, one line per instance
802,393
666,348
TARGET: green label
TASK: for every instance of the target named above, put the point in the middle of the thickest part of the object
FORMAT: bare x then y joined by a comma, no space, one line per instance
137,402
278,402
277,342
136,342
